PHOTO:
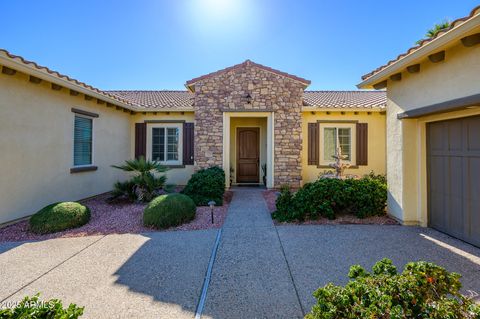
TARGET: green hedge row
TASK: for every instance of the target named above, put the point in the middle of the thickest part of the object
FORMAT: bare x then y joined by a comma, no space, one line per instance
328,197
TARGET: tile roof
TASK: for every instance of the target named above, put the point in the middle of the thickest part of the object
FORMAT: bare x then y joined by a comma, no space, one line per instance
453,25
345,99
248,62
183,100
158,99
56,74
178,100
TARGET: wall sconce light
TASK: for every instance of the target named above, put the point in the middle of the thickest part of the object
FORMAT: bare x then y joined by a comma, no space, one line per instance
248,98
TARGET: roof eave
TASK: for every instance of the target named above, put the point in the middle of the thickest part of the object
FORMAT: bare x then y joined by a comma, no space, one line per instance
437,43
311,108
30,70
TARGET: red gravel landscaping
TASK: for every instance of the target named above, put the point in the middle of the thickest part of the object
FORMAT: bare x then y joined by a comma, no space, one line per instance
116,218
270,197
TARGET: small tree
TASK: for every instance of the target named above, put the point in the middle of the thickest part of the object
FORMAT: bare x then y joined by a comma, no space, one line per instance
431,33
144,184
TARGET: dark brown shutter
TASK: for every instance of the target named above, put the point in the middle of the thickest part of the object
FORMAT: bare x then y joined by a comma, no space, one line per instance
140,140
313,144
362,144
188,143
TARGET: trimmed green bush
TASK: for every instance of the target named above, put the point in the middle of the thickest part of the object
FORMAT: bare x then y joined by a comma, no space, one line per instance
328,197
169,210
34,308
59,216
422,290
206,185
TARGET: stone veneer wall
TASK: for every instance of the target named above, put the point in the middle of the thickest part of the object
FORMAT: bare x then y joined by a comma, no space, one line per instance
227,91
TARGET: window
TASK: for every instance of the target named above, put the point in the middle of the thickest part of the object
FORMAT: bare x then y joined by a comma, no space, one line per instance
83,141
165,143
334,135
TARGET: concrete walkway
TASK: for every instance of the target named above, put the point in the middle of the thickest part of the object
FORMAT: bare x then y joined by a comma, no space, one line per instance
251,277
260,270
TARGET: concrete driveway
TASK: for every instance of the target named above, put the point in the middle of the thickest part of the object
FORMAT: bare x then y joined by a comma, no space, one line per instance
260,271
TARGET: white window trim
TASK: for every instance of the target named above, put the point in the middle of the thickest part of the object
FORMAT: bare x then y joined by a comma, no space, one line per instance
93,140
353,142
179,126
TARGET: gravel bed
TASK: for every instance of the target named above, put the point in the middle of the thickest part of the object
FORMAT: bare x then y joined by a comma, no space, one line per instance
116,218
270,197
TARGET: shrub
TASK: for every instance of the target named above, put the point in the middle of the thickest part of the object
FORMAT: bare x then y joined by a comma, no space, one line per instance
34,308
169,210
328,197
368,197
422,290
144,185
284,204
206,185
379,177
59,216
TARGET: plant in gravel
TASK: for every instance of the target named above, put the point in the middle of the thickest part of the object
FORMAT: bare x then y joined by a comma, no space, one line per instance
58,217
169,210
144,185
284,204
422,290
34,308
206,185
328,197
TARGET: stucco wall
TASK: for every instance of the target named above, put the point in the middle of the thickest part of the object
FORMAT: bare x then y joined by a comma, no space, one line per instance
456,77
376,142
177,176
36,144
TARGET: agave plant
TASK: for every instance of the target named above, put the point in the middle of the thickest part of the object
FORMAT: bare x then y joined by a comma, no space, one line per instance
144,185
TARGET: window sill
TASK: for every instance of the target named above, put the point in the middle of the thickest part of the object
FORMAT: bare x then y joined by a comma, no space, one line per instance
174,166
329,167
83,169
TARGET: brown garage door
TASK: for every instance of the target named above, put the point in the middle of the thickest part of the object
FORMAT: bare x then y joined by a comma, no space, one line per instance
453,163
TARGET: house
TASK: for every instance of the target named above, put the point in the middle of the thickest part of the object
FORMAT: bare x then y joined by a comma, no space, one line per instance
59,137
433,130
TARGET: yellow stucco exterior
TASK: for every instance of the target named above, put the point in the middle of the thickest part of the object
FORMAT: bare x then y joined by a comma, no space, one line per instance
453,78
37,122
376,141
37,146
175,175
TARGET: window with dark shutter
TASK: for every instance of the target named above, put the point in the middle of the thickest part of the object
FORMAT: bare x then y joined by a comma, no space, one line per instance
362,143
82,141
188,143
140,140
313,144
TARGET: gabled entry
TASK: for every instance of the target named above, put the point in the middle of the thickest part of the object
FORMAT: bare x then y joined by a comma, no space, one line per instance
248,154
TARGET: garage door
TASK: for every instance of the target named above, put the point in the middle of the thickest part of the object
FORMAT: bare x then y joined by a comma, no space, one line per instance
453,163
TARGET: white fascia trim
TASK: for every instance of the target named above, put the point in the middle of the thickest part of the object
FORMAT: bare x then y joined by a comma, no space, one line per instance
428,48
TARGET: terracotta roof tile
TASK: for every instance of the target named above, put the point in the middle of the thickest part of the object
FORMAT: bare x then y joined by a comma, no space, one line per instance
248,62
346,99
178,100
61,76
453,25
158,99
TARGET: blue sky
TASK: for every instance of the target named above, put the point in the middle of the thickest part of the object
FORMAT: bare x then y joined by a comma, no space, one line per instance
160,44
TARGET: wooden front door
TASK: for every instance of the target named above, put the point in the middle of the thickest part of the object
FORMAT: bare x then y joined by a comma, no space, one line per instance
248,154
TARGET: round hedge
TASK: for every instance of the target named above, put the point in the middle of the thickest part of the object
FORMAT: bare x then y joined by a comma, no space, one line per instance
169,210
59,216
